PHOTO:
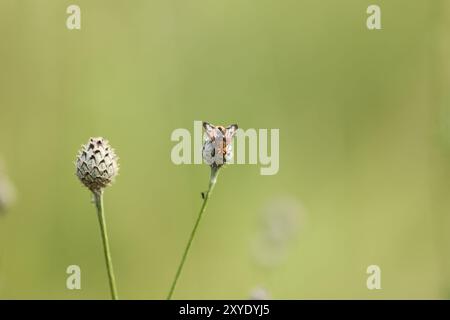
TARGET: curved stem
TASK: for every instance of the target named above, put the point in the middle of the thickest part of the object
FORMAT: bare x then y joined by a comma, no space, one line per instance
101,218
212,183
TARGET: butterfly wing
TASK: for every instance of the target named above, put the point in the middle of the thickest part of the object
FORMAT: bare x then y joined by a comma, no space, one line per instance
230,132
210,130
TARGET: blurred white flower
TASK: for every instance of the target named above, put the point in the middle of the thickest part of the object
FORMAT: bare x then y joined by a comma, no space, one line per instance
259,293
7,191
281,219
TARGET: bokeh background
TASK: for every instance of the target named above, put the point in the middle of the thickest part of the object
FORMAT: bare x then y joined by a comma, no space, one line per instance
364,119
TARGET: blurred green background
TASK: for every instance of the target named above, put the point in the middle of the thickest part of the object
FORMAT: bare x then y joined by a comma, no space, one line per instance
364,120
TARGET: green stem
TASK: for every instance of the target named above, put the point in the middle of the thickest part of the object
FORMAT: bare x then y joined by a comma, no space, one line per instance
101,219
212,183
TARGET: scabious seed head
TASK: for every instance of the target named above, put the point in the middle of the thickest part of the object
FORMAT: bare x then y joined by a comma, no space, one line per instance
208,153
97,164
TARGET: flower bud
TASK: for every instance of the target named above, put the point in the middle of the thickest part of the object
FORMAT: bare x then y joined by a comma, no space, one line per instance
96,164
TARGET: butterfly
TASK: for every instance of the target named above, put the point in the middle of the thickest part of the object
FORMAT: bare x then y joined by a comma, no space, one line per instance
217,147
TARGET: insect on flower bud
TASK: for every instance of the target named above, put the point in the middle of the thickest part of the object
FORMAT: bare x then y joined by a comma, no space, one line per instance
217,148
96,164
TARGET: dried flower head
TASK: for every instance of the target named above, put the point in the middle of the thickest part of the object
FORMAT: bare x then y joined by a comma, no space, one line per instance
217,148
96,164
7,192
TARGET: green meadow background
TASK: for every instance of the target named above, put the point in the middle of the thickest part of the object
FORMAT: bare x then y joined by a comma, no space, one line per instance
364,120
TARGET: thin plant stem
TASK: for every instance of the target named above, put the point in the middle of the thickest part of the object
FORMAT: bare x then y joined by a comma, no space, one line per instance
101,219
212,183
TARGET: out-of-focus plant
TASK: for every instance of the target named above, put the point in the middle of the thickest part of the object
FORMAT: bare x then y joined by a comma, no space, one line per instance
7,191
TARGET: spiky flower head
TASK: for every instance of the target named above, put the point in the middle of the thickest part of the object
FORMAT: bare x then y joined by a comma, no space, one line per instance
217,148
96,164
